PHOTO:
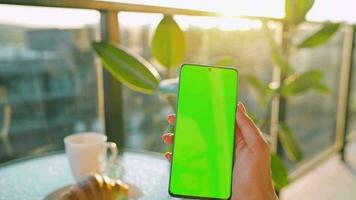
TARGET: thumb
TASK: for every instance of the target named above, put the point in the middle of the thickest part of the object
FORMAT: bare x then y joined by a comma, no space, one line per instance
249,131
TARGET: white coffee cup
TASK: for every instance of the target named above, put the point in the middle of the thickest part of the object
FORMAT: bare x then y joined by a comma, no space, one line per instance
87,153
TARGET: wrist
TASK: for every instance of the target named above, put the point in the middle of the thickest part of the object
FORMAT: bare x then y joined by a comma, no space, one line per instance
255,195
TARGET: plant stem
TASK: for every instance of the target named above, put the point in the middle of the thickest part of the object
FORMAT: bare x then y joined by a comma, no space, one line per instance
286,47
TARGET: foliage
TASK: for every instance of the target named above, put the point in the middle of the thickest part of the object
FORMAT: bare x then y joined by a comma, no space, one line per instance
292,83
224,61
2,94
289,142
296,10
321,36
297,84
277,57
133,71
279,172
257,84
168,43
263,90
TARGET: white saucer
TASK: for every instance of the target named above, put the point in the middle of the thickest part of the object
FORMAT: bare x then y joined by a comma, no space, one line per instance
134,193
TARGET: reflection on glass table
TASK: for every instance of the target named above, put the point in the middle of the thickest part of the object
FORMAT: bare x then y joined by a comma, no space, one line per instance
37,177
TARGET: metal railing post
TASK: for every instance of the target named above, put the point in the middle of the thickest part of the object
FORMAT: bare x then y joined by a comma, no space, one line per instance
345,89
112,101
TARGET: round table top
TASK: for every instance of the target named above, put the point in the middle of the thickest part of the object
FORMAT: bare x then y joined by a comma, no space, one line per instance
37,177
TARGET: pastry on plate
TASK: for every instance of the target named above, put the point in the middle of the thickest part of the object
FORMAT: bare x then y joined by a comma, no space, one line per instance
97,187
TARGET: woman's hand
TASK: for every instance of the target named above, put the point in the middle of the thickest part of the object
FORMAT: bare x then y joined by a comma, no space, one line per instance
252,178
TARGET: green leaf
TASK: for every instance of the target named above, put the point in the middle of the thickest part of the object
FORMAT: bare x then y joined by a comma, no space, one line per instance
296,10
277,55
257,84
321,88
263,90
3,94
168,43
279,172
133,71
289,142
296,84
281,62
321,36
224,61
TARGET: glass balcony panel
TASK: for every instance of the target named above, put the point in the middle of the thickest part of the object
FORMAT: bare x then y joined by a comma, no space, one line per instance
48,79
312,115
352,109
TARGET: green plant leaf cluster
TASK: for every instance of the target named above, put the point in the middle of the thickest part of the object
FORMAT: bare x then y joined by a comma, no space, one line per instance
293,83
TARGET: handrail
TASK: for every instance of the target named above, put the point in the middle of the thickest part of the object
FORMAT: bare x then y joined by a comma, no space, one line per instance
128,7
132,7
109,5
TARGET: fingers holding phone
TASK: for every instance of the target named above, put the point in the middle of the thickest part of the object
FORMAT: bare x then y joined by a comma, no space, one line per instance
168,138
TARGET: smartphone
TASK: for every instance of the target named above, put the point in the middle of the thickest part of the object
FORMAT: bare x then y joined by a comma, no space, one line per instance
203,148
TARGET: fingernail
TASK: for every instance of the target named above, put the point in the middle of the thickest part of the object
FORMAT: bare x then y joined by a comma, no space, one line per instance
170,119
241,107
163,137
168,156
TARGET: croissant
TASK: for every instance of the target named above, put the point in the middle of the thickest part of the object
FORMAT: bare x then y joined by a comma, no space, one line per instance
97,187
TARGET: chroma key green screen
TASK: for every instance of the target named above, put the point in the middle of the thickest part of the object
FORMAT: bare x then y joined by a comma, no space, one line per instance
203,148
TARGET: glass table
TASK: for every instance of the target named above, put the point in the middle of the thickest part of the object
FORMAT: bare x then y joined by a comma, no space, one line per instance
35,178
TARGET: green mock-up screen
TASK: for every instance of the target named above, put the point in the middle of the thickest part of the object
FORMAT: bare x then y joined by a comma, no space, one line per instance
204,135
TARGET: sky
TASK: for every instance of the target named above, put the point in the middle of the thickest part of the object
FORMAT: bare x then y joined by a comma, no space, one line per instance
333,10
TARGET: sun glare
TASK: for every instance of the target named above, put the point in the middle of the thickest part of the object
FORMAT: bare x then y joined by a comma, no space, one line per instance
130,19
71,18
38,17
224,24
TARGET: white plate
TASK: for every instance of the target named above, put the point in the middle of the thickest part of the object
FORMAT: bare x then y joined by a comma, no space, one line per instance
57,193
134,193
